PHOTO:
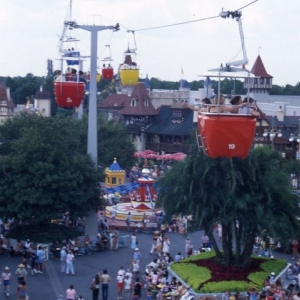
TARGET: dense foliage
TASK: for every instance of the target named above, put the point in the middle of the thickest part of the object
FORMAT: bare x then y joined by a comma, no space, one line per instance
245,196
44,168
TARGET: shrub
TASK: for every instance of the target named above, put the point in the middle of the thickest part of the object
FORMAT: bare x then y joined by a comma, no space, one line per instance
191,273
203,274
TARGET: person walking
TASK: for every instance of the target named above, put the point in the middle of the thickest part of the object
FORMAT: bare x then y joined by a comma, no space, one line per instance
105,280
137,255
95,287
154,242
115,238
71,293
70,263
128,221
137,289
166,245
133,241
120,283
22,291
159,243
127,286
5,279
21,273
135,268
40,259
63,259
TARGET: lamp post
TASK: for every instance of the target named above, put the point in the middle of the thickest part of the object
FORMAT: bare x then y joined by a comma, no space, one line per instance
272,131
296,137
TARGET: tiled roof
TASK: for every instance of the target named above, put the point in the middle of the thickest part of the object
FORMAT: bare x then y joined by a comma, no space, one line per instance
164,122
114,167
3,94
123,102
42,95
259,70
288,126
115,100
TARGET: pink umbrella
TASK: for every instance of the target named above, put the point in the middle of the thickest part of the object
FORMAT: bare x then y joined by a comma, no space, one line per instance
179,156
151,156
168,156
161,157
149,152
138,154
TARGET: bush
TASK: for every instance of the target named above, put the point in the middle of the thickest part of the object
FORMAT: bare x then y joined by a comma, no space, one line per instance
205,276
42,233
191,273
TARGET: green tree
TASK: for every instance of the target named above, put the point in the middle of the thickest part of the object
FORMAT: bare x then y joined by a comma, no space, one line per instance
44,164
245,196
113,141
43,170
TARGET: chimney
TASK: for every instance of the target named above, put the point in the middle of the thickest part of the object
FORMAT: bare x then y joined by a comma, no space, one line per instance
280,114
8,93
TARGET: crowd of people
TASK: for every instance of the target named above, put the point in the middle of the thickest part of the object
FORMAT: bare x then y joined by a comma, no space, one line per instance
132,281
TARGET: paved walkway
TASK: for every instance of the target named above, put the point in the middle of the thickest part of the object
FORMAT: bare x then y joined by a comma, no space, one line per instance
49,285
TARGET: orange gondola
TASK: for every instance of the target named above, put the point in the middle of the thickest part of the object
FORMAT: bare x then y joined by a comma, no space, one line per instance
69,93
226,135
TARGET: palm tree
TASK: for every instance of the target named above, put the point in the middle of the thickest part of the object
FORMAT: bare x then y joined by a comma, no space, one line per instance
243,195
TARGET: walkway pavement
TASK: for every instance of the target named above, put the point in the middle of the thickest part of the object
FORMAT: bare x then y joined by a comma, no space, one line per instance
49,285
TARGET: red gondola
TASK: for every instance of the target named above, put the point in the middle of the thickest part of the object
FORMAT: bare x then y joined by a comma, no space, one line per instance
69,93
226,135
107,73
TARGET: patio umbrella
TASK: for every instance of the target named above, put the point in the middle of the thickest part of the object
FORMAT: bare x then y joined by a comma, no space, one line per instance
138,154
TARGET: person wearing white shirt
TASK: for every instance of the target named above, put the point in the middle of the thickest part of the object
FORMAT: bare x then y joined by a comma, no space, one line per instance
127,286
70,265
129,275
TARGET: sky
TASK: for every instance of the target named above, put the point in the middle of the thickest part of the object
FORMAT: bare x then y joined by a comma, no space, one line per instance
30,31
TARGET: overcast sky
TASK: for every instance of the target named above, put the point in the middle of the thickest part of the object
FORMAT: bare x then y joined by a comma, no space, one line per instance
30,32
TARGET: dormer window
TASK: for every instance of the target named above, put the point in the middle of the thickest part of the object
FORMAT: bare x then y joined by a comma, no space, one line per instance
146,102
133,102
177,113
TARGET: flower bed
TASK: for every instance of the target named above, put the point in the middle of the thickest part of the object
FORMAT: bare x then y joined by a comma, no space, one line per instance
205,276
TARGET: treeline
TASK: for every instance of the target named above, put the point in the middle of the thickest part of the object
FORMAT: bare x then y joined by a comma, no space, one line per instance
22,88
228,86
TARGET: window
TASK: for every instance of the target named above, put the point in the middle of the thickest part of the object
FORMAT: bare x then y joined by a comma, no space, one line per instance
133,102
146,102
114,180
177,113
